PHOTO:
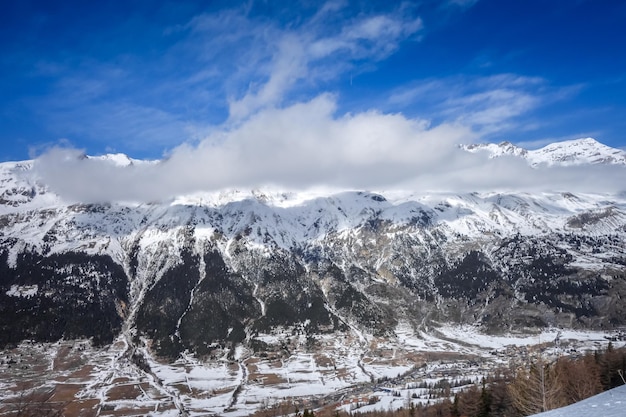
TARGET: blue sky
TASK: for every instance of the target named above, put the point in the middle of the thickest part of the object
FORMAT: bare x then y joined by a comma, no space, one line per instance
154,78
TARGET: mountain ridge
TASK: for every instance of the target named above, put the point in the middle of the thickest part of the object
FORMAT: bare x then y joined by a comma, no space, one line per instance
564,153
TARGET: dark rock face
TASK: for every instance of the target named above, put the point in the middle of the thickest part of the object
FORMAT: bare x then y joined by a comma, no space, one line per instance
166,302
196,300
221,309
72,295
193,279
467,278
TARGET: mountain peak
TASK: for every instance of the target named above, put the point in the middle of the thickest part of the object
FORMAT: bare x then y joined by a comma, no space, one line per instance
577,152
118,159
497,150
565,153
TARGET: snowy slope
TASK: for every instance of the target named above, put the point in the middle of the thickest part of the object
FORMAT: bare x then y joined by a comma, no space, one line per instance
270,219
577,152
290,219
498,149
611,403
565,153
120,159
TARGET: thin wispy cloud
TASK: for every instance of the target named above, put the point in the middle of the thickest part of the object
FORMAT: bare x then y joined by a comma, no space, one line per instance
496,104
314,52
218,67
462,3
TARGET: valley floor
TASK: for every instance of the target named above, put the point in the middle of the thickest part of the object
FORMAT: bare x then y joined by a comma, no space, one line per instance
350,372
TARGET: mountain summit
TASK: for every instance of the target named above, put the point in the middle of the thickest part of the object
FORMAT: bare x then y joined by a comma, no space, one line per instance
566,153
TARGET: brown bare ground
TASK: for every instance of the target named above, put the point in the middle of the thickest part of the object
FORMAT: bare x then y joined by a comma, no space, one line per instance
124,392
182,387
276,364
65,392
199,393
82,373
61,353
323,360
272,379
342,373
222,391
82,408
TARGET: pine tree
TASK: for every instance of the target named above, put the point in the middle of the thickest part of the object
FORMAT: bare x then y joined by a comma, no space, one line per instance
537,389
469,402
454,410
581,378
485,401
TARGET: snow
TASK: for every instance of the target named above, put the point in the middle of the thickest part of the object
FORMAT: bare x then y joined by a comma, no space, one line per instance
117,159
577,152
497,150
25,291
270,217
564,153
472,336
342,363
611,403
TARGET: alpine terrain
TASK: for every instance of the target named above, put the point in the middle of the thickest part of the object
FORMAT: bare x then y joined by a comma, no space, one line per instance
233,301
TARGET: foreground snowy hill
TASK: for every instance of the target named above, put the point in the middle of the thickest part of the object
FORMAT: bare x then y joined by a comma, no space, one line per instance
611,403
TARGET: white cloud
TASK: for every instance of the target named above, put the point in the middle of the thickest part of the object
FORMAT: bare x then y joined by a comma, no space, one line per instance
297,147
307,145
260,70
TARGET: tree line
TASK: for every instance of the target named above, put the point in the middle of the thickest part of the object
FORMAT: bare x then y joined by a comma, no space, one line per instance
537,386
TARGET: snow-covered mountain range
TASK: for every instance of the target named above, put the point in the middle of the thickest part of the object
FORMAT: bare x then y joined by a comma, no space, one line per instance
230,271
476,256
566,153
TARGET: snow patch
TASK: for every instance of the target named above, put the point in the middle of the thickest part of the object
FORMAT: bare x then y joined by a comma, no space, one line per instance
23,291
607,404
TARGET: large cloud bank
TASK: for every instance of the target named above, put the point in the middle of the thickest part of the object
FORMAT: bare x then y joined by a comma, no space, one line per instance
307,145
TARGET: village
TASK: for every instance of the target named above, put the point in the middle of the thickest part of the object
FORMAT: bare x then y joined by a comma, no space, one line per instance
443,374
